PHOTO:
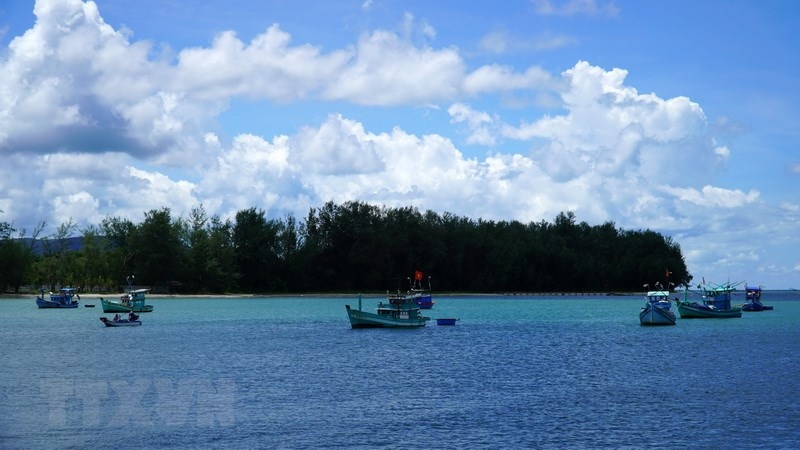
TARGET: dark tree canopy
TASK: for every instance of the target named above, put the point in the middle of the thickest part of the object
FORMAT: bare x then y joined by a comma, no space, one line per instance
352,247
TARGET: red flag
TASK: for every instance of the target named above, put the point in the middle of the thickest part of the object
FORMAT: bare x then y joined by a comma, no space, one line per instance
418,275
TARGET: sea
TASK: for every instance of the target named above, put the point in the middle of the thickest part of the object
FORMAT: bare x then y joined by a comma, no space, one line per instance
516,371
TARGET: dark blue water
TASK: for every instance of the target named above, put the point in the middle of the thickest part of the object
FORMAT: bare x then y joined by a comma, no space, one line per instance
290,373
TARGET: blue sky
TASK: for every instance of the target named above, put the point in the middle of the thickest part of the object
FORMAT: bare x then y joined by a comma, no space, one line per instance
675,116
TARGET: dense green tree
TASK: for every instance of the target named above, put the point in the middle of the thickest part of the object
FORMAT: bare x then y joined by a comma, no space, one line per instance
256,245
121,237
16,259
211,260
352,247
161,246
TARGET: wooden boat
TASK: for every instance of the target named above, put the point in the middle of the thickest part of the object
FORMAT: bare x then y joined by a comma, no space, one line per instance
716,303
446,321
131,321
63,299
133,300
656,310
400,311
753,297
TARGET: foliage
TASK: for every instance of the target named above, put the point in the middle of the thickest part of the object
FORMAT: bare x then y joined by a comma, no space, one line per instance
350,247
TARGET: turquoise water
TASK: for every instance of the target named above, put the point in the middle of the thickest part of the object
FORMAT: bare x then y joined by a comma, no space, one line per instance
546,372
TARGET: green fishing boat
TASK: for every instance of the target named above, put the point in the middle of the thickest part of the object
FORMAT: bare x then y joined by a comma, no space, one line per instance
132,301
715,304
400,311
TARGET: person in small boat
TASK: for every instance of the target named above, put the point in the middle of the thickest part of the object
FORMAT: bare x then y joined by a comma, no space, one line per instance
132,316
116,317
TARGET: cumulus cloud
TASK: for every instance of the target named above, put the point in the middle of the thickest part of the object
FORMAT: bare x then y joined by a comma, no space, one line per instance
479,124
388,70
613,130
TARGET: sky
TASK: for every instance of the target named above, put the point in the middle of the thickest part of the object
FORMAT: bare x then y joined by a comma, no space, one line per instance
675,116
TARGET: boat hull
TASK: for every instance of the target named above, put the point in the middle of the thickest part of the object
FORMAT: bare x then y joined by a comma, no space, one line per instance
693,311
755,307
116,307
653,315
448,322
44,304
120,323
363,319
425,302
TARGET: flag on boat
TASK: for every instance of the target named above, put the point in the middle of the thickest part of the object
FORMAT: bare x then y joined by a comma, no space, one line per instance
418,275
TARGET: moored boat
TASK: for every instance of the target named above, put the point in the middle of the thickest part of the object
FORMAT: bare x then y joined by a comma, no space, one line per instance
656,310
425,301
63,299
400,311
117,321
715,304
420,294
753,297
446,321
133,300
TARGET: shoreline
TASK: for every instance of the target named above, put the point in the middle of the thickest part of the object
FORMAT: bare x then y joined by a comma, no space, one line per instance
96,296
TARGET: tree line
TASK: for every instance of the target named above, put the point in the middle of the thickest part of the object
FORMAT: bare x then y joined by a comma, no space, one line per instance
350,247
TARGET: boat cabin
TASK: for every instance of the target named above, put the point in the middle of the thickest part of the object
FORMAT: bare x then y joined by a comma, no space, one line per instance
753,293
719,298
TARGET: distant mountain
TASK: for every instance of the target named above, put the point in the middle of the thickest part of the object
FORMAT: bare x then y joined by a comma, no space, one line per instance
41,246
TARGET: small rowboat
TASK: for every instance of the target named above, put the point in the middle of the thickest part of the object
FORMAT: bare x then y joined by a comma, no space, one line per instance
120,323
446,321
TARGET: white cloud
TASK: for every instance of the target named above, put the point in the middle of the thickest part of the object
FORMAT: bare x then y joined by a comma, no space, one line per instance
575,7
479,123
500,42
612,129
390,71
266,68
714,197
495,78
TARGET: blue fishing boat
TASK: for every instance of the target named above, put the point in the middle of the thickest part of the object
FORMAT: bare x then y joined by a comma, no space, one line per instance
715,303
400,311
753,297
62,299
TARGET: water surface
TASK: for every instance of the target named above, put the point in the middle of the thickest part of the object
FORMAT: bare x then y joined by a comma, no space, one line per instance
516,371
